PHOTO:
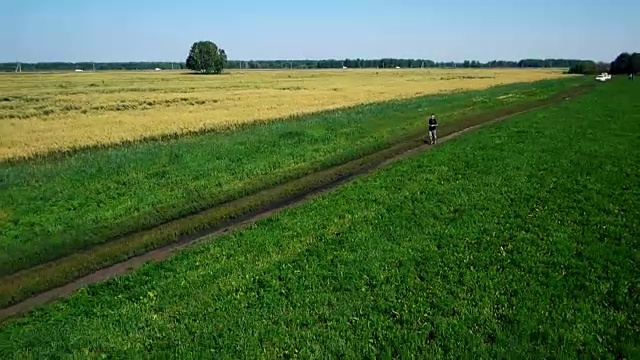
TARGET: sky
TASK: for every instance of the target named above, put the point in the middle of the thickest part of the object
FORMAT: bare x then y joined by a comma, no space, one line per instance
163,30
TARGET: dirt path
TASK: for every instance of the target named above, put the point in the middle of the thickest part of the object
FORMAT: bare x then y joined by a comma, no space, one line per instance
408,148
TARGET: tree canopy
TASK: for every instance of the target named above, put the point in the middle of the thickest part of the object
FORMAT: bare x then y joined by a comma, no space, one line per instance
206,57
298,64
395,62
589,68
626,63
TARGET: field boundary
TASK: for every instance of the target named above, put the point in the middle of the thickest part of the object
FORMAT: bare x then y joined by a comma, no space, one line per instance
30,288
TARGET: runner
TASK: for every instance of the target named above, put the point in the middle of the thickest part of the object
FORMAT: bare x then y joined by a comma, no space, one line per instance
433,126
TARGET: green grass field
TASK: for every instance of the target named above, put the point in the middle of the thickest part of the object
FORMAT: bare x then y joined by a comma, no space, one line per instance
53,206
520,240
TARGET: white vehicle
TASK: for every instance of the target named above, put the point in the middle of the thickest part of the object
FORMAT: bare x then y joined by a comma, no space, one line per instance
603,77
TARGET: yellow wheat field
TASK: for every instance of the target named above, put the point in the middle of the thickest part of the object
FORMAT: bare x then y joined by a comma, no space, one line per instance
40,113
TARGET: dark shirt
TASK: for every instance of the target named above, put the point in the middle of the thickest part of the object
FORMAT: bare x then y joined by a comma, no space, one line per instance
433,123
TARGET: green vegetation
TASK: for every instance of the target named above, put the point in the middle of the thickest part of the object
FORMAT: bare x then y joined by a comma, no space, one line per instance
589,68
52,207
520,240
206,57
626,63
298,64
21,285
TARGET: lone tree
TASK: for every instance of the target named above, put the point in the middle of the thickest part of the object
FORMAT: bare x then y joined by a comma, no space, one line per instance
206,57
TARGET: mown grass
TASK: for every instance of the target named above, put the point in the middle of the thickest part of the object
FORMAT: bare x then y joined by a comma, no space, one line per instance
40,113
518,241
55,206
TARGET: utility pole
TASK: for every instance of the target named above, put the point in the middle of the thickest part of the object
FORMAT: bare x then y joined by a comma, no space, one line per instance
94,66
18,67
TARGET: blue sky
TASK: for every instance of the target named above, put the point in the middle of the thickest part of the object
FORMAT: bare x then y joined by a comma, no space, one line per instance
163,30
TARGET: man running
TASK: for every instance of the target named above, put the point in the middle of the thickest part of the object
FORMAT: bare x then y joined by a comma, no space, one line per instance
433,126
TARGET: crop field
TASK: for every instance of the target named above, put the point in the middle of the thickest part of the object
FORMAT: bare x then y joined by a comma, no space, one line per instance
41,113
518,240
52,207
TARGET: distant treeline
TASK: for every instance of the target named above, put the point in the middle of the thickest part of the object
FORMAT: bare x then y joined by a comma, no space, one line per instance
297,64
402,63
625,63
88,66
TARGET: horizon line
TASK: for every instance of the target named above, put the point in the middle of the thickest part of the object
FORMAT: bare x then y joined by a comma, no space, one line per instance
300,59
